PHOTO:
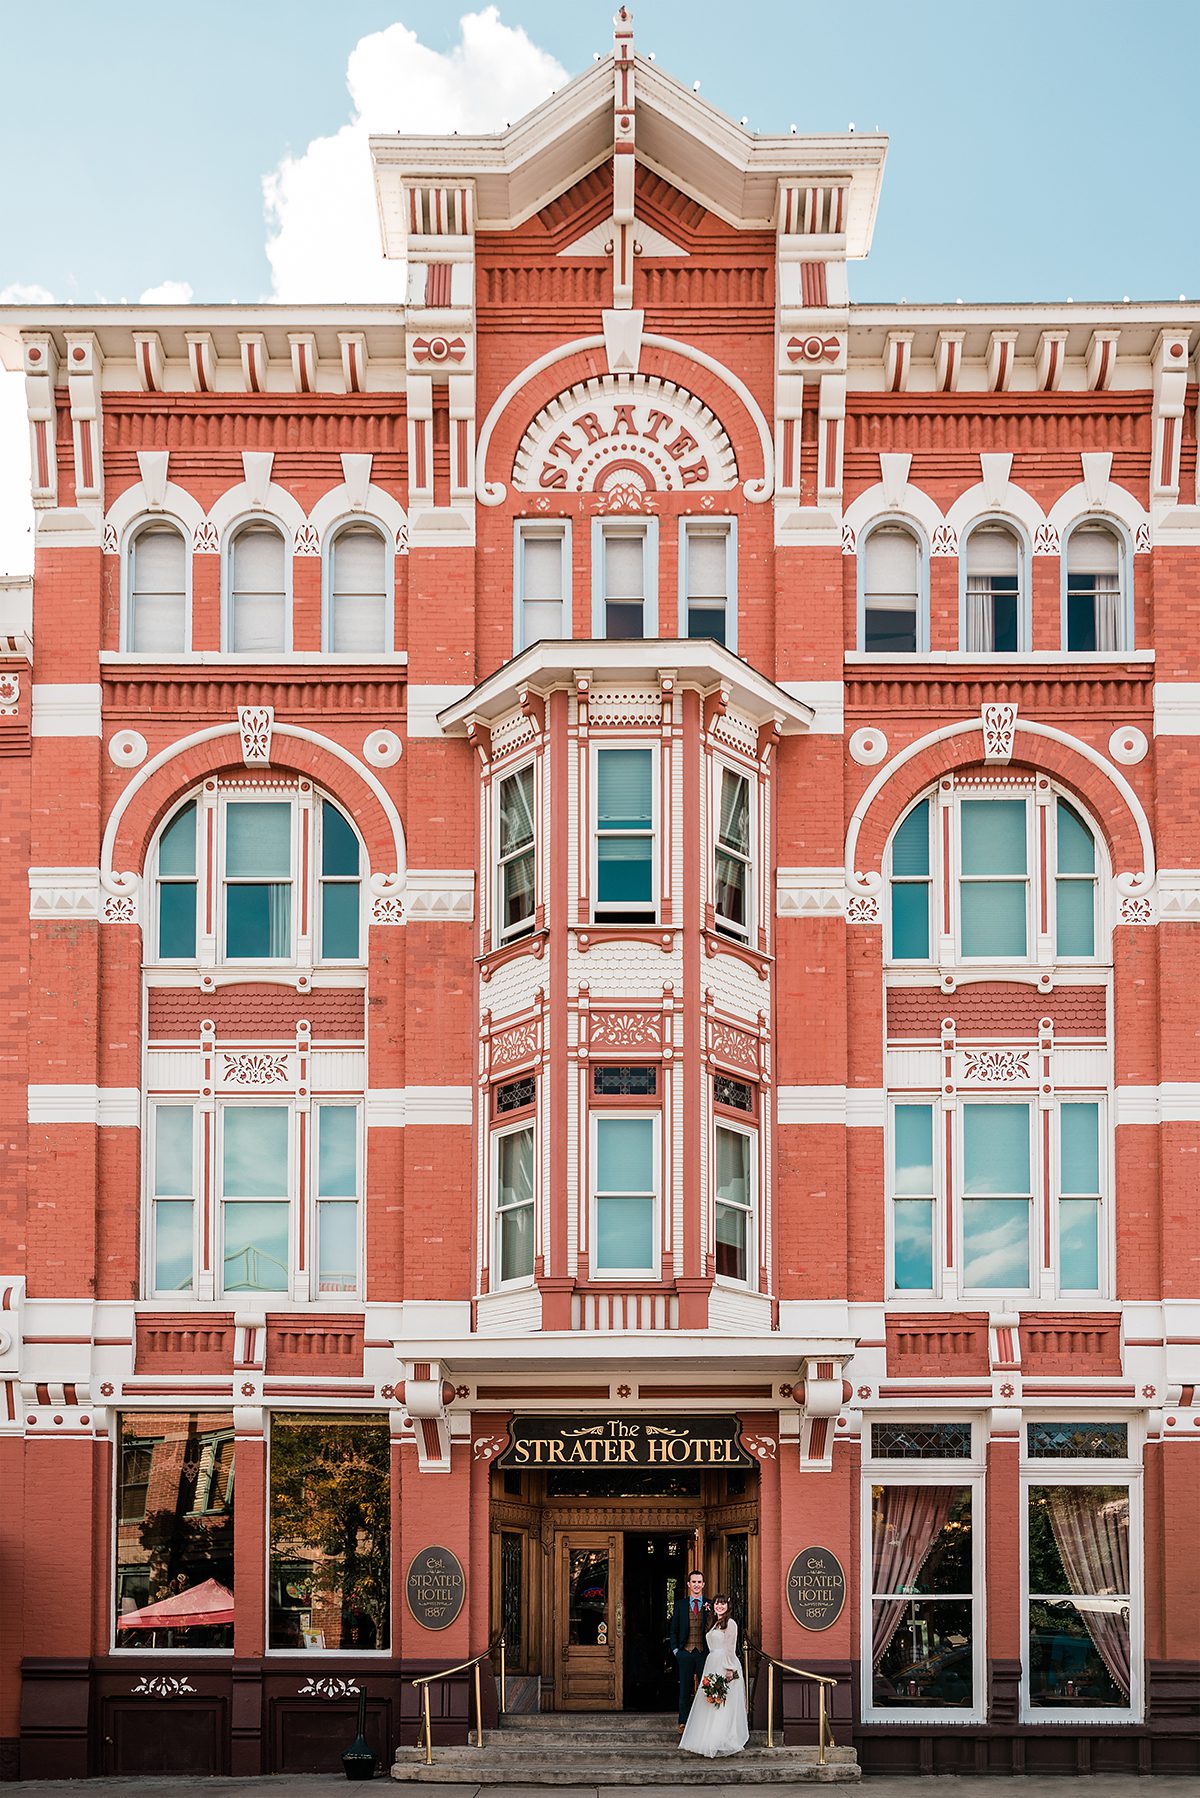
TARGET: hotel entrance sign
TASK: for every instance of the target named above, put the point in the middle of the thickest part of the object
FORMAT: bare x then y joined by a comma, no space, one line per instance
582,1442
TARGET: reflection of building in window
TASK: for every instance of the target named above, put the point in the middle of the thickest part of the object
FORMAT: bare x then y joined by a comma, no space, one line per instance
175,1529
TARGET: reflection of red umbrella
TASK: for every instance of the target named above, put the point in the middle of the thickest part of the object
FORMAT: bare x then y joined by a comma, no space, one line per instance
205,1604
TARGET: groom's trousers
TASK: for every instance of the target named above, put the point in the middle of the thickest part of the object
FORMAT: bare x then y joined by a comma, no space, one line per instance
691,1666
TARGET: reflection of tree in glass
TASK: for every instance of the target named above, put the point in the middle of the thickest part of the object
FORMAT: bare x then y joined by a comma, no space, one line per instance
331,1507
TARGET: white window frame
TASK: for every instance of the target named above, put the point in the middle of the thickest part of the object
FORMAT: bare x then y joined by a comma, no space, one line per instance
320,879
948,1191
1034,1212
928,881
1125,568
278,1297
603,1114
523,530
1069,1471
737,933
228,543
149,521
158,880
900,521
515,932
718,525
633,526
1041,950
358,521
723,1120
1016,530
526,1121
653,911
221,881
900,1472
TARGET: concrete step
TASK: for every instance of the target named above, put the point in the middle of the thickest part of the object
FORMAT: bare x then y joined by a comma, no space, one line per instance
640,1763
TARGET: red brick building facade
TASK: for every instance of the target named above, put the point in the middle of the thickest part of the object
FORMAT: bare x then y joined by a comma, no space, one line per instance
600,896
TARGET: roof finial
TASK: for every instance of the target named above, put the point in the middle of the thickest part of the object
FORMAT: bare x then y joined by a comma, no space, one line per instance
623,159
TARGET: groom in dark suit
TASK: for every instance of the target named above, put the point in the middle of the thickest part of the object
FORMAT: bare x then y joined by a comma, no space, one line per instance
690,1623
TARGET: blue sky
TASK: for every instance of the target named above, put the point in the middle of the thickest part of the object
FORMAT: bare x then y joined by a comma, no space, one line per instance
1044,150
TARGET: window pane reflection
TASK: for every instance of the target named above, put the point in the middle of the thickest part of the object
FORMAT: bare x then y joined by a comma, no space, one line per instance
174,1584
330,1532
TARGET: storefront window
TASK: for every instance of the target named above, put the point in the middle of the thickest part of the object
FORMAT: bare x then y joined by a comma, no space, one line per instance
330,1532
1079,1580
174,1585
922,1609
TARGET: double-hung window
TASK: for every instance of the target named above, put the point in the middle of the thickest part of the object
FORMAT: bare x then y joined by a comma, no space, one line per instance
891,592
338,1186
731,857
997,1196
1081,1567
257,621
173,1186
625,1194
512,1247
542,586
911,887
156,616
258,880
993,623
914,1198
624,580
255,1168
734,1243
341,887
708,582
1094,621
994,878
177,887
624,836
356,620
516,894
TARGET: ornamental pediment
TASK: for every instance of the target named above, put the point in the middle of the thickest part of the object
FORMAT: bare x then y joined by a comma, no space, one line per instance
637,430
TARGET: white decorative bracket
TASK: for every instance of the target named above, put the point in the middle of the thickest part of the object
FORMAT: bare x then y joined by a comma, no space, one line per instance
999,723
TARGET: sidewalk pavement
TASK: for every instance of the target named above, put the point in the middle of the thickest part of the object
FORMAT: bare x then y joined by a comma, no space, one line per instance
1097,1785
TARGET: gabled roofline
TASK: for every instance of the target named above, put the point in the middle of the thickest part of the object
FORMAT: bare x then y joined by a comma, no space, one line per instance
692,662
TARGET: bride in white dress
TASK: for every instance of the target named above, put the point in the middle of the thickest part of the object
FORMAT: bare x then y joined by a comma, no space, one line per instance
714,1729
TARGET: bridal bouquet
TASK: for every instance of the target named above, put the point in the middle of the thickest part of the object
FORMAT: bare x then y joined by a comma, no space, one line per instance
715,1686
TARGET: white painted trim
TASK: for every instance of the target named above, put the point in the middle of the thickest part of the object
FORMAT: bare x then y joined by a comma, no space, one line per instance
810,892
856,1107
66,709
108,1106
828,700
434,895
1176,708
64,893
424,704
1171,1102
438,1104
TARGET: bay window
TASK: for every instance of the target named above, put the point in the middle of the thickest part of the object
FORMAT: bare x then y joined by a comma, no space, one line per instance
731,870
733,1232
514,1227
516,900
625,1194
624,836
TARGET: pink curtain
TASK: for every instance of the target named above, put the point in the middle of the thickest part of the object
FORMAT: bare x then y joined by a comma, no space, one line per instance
1091,1529
908,1521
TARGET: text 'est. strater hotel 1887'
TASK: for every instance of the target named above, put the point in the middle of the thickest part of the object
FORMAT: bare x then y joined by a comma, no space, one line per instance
601,938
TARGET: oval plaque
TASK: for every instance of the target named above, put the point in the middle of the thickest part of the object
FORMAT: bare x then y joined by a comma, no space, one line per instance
435,1587
816,1588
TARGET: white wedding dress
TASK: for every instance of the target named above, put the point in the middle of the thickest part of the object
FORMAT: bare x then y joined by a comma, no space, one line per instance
714,1729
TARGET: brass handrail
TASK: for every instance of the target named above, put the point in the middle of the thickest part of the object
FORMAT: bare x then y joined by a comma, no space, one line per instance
428,1679
824,1731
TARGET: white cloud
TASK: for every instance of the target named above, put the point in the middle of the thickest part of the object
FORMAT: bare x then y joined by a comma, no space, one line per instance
323,228
25,293
167,293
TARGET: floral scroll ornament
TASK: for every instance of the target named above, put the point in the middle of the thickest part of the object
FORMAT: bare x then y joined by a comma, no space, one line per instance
256,723
10,693
1136,904
308,543
944,541
996,1067
1046,541
120,898
862,906
205,541
999,724
849,542
387,898
328,1687
162,1685
255,1070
